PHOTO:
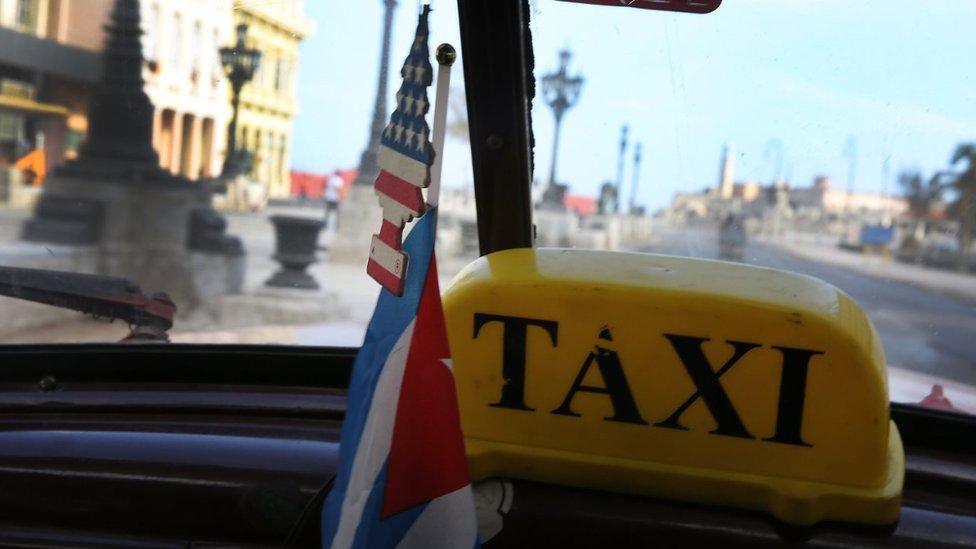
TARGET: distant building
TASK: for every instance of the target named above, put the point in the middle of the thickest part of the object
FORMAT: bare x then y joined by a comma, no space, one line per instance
690,206
185,82
49,59
269,103
47,68
59,53
838,202
746,192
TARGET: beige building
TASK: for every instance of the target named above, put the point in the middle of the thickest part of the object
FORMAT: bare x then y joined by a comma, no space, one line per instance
185,82
821,195
74,22
746,192
269,103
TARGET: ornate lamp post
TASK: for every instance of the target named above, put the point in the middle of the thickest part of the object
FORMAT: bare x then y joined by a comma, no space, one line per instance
561,92
240,64
620,167
633,191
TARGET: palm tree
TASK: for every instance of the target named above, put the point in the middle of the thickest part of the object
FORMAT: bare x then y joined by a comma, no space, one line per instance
919,193
963,184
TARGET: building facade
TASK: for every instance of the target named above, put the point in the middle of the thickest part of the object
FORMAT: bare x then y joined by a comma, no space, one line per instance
58,45
185,82
839,202
50,59
269,103
47,68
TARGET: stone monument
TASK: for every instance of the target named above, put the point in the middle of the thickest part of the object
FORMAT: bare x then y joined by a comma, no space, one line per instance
115,203
360,214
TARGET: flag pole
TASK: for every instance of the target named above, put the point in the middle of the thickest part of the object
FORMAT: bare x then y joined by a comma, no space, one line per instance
446,55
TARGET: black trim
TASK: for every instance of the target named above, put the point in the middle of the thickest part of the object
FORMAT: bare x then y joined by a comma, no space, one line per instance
935,429
177,363
496,46
321,367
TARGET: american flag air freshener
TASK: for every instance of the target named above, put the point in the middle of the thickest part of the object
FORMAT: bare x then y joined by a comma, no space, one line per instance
405,158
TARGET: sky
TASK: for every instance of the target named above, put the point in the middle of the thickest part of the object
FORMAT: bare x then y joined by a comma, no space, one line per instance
796,79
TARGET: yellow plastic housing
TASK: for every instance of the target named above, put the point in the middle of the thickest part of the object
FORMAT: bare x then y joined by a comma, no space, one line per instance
618,371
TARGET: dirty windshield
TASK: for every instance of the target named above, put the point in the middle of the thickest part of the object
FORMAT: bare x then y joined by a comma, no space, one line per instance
833,139
223,152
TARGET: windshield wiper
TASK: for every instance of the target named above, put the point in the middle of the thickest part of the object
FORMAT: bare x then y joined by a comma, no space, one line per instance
100,296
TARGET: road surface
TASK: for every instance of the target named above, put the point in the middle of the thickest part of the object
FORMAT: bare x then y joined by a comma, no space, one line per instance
921,330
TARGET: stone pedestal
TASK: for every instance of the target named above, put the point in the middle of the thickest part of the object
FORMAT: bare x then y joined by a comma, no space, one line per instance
555,229
267,307
360,217
164,236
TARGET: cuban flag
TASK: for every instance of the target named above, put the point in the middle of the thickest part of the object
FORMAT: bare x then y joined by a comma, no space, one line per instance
405,157
403,475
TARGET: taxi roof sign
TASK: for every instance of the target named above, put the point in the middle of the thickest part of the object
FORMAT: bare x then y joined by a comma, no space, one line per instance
681,378
690,6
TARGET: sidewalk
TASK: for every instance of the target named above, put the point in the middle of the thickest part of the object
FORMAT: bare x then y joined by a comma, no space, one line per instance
957,284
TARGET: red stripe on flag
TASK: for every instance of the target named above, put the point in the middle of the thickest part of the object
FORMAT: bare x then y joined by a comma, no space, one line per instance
391,234
400,190
427,457
386,279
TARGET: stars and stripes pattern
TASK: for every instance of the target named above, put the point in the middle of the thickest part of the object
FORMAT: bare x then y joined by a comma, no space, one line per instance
403,474
405,157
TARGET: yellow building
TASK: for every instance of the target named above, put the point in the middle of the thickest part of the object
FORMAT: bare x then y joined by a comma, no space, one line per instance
269,102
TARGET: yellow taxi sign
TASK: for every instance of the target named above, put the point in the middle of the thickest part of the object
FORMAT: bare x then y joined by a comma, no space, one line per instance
673,377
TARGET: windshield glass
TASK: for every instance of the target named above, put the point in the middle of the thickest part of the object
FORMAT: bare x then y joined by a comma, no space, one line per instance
211,168
833,139
230,164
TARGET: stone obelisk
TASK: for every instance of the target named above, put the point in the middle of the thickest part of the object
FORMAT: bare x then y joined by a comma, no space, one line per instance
115,202
359,214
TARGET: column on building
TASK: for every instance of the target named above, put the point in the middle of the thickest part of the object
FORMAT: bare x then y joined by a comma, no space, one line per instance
165,138
176,144
192,153
207,148
186,83
281,173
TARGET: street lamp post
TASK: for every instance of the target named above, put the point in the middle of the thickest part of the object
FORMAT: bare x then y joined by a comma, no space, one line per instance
620,167
636,175
240,64
561,92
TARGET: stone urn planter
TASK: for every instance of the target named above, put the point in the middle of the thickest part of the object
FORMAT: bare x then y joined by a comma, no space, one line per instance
296,242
